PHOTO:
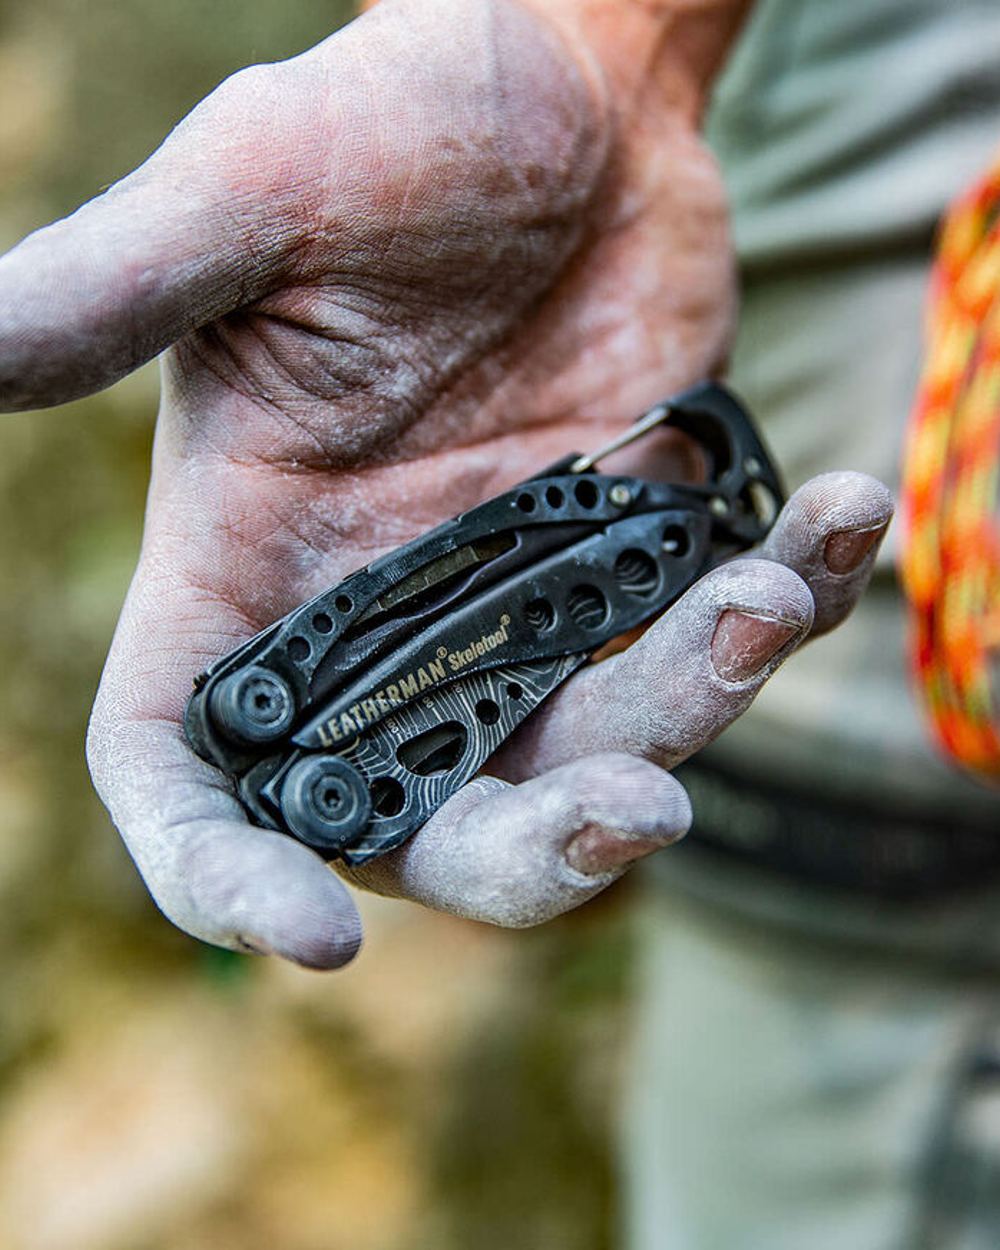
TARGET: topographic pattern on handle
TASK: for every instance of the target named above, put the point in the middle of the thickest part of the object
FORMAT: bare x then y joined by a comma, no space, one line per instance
352,719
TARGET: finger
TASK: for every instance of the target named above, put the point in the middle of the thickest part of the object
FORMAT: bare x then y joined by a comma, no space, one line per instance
211,873
518,855
693,672
829,532
174,245
322,194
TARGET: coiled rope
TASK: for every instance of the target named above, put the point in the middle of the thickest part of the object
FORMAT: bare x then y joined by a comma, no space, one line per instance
951,470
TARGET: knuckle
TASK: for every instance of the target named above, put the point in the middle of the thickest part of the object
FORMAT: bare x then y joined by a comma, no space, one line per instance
251,82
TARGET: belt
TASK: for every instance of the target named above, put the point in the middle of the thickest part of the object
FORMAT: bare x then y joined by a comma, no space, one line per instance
834,841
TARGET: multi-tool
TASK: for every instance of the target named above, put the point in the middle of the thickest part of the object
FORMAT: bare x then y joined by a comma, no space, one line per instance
349,722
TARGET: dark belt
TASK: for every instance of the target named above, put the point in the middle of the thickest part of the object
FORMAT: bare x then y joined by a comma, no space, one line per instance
835,841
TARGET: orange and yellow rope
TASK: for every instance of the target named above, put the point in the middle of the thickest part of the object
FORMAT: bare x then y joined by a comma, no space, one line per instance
951,473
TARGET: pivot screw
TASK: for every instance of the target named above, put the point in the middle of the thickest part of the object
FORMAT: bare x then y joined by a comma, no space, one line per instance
253,706
620,495
718,506
325,802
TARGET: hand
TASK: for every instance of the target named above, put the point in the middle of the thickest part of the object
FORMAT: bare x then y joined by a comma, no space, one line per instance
399,273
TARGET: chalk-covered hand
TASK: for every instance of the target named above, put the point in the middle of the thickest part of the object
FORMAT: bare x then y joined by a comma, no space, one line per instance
395,275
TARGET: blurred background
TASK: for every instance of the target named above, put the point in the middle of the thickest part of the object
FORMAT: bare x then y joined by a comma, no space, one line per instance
457,1086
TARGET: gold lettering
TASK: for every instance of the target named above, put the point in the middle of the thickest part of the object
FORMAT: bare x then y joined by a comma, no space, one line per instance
380,702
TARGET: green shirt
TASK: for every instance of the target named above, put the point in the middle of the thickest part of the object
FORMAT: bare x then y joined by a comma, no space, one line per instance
844,127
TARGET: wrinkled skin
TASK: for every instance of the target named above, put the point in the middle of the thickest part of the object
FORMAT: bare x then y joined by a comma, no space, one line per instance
395,275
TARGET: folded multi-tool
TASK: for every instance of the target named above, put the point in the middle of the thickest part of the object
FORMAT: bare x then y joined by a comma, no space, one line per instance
349,722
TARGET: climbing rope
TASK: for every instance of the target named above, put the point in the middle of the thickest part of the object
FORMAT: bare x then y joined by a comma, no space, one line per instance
951,471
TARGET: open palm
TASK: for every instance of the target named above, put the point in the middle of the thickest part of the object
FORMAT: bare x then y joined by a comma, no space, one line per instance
395,275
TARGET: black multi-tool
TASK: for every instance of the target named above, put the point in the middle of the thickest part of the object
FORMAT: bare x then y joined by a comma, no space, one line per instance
349,722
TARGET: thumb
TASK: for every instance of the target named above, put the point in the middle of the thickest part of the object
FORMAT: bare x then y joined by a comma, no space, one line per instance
176,244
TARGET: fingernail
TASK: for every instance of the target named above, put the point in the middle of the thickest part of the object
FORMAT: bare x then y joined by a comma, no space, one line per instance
745,641
846,549
595,850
